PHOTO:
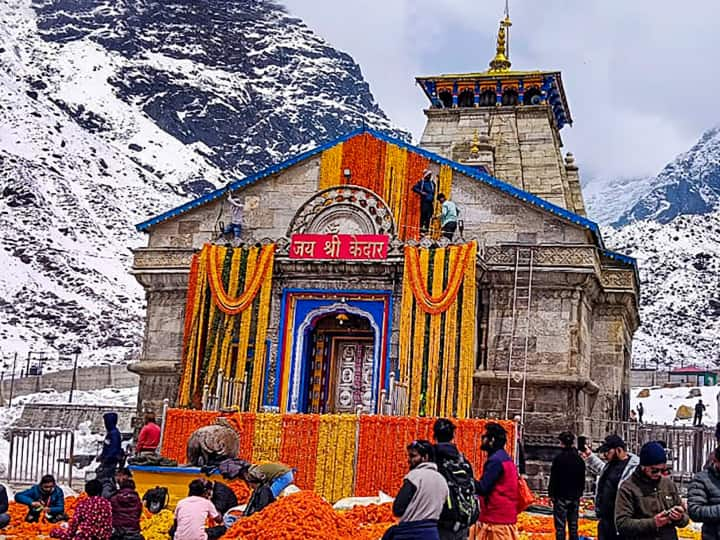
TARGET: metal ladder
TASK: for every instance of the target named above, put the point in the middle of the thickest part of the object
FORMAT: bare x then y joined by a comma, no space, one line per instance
520,335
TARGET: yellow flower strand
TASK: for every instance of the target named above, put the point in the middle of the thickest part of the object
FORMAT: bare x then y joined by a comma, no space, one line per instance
449,352
394,185
468,338
330,165
233,286
260,345
267,437
435,320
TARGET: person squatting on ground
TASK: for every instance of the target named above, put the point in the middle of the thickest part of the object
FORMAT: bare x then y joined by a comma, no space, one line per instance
619,464
126,511
45,497
425,188
567,483
92,519
461,507
192,512
498,488
648,505
421,498
703,498
448,216
266,481
149,436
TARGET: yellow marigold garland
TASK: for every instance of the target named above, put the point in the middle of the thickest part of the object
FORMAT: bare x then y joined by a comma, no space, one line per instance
330,165
216,317
234,305
335,453
267,437
437,330
437,303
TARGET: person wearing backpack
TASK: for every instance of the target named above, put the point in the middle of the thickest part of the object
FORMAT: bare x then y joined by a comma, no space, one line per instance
461,507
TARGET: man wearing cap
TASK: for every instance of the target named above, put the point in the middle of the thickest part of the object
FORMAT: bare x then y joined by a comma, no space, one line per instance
648,505
425,188
618,466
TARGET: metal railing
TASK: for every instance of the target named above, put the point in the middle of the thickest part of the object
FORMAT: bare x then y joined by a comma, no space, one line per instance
229,394
394,402
688,448
35,452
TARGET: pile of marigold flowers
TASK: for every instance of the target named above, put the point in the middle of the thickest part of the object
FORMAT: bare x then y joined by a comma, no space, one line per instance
306,515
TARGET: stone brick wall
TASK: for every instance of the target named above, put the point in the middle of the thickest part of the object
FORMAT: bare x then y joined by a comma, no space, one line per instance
526,144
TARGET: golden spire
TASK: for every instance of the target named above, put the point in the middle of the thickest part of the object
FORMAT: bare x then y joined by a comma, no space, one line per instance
501,62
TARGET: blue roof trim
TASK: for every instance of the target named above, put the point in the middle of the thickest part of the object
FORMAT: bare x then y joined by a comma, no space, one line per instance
208,197
464,169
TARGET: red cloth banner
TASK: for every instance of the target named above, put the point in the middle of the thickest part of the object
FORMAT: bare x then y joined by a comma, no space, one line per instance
339,246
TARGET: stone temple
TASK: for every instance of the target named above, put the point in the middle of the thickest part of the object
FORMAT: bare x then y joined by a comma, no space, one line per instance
331,299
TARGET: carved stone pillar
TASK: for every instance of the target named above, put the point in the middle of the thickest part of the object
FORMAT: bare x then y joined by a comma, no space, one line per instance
163,272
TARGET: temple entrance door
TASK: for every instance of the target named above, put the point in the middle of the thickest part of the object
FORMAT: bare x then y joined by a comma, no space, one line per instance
340,364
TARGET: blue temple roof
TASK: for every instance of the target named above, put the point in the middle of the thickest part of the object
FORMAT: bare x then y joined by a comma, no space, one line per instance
471,172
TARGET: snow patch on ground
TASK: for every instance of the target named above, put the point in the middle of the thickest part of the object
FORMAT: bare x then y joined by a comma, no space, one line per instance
662,404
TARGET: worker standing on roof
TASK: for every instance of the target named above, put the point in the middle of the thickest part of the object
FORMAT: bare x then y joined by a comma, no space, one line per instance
236,218
425,188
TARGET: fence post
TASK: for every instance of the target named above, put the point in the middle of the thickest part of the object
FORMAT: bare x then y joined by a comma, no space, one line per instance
163,418
71,460
355,453
12,380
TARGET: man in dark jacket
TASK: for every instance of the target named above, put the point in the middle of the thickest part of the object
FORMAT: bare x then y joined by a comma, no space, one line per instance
425,188
223,497
44,497
126,512
648,505
567,483
461,509
110,456
699,411
704,498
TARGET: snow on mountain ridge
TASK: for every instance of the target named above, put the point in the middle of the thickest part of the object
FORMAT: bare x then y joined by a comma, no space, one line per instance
679,266
111,112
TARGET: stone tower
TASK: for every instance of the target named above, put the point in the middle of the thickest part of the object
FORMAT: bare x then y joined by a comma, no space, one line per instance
507,122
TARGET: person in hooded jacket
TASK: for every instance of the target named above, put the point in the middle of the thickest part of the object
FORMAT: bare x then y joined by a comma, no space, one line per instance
126,511
111,455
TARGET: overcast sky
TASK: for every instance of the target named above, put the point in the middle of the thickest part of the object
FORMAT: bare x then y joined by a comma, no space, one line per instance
641,75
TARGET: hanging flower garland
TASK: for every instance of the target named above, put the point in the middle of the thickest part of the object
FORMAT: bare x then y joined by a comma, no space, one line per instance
235,305
441,302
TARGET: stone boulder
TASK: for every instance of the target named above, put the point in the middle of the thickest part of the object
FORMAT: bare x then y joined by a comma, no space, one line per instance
694,392
211,445
645,392
683,413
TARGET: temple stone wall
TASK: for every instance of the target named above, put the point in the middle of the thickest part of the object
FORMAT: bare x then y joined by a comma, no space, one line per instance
525,142
272,204
496,218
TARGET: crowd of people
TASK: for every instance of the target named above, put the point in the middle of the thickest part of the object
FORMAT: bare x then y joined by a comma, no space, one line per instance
440,497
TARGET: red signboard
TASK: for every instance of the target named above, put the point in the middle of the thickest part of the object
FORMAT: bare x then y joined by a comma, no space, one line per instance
339,246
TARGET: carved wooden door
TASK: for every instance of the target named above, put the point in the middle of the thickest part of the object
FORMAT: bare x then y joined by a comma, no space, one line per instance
354,364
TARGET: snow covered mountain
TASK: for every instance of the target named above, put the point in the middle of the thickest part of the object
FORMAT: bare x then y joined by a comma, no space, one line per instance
673,228
112,111
606,199
688,185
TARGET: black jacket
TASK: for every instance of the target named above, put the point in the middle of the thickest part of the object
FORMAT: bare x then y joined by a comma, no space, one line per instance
567,475
223,497
704,502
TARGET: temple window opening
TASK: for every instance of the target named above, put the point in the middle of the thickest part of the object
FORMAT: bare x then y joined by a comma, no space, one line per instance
487,98
466,98
446,98
510,97
533,96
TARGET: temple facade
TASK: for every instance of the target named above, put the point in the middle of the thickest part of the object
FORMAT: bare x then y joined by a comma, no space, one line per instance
331,298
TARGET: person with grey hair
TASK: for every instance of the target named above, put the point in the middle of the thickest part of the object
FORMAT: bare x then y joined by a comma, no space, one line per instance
567,483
